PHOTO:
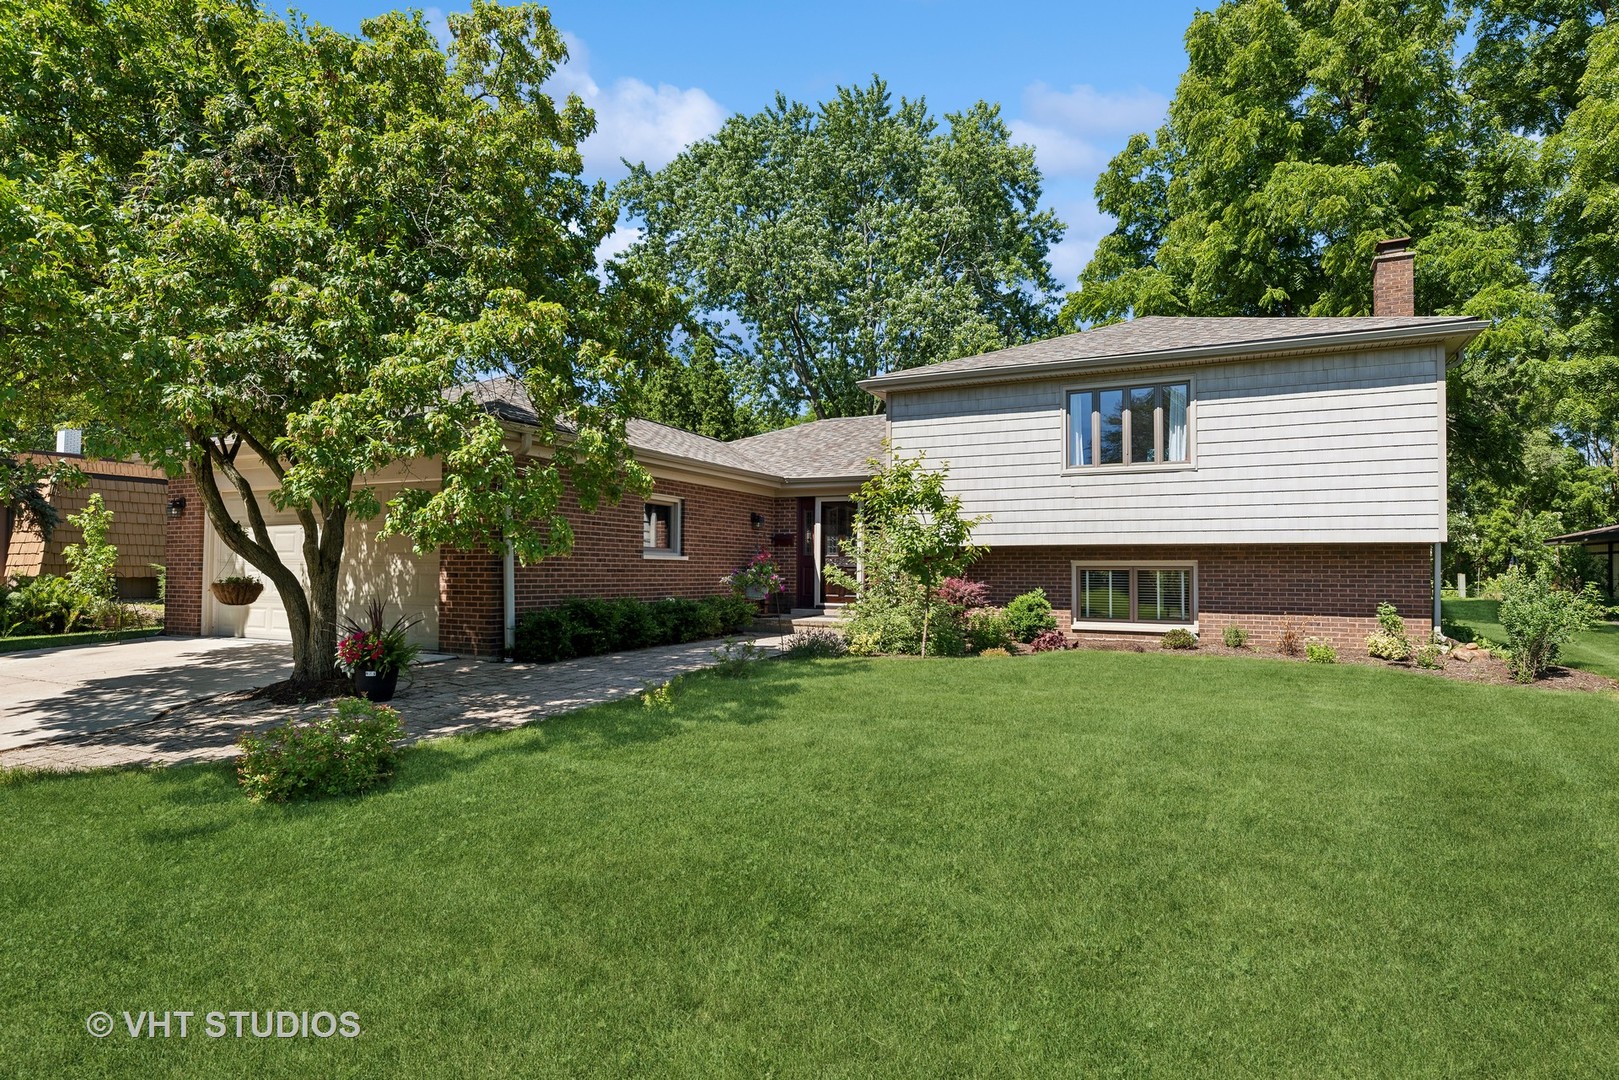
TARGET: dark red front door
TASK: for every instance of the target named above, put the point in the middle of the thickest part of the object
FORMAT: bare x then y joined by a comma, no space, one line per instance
837,528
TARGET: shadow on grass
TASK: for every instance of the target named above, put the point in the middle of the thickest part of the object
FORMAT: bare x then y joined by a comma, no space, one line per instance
701,697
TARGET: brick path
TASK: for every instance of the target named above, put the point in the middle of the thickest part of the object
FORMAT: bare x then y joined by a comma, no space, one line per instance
443,699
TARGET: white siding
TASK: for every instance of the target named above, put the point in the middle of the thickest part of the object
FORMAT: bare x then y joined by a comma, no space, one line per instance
1321,449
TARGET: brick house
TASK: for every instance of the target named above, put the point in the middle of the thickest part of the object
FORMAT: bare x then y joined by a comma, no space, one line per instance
136,494
1195,472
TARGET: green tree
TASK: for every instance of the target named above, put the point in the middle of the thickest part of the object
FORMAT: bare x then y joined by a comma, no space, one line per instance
92,562
904,512
695,392
818,247
306,242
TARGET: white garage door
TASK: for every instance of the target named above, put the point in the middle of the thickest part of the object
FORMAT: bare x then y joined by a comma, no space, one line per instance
407,583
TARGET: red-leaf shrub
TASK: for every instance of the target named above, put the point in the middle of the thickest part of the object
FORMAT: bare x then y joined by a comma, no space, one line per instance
963,593
1050,641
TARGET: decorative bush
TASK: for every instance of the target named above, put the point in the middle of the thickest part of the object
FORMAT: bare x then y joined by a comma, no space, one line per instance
735,659
1030,615
963,593
1319,652
46,605
1290,642
347,753
1178,639
815,645
996,652
1235,637
989,628
1430,656
93,559
1540,619
1388,641
1051,641
592,626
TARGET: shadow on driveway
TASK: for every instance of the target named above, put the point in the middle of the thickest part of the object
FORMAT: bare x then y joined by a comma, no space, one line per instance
76,692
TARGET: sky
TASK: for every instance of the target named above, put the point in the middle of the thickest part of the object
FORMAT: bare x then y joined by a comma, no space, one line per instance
1074,80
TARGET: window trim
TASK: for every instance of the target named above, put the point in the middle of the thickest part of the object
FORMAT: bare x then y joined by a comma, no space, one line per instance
1099,385
1131,625
676,551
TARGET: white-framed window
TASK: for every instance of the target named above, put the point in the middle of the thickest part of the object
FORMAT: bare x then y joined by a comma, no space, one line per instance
1132,595
1138,424
660,529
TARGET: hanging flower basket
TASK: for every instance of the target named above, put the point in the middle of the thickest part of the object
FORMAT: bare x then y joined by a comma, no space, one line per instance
237,591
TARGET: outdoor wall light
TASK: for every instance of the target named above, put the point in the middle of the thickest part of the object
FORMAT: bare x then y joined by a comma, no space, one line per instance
757,520
177,506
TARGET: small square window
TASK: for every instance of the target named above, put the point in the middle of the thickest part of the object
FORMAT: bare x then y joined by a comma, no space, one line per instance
660,528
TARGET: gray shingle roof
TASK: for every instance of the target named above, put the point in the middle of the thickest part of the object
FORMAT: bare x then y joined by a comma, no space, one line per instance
1157,335
831,449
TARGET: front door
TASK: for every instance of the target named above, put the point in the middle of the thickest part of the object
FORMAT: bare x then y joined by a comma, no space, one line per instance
837,528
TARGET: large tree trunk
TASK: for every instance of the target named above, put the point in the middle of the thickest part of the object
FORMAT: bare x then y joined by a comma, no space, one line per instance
312,612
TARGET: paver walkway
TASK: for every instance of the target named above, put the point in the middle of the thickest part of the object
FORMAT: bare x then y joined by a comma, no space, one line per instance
444,698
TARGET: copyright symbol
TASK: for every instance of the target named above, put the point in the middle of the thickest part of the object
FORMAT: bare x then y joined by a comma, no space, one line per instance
98,1024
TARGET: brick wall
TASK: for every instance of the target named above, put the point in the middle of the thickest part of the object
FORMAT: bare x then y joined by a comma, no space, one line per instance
717,537
182,614
1330,590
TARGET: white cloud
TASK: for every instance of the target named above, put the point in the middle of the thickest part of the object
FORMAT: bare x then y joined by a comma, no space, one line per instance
1086,227
1075,132
634,120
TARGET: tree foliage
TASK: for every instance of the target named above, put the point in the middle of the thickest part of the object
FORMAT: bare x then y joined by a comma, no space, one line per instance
304,241
815,247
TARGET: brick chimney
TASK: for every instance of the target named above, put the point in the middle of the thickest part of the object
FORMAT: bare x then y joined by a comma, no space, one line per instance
1393,279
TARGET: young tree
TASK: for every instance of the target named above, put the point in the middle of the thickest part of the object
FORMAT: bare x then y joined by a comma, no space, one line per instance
818,247
904,511
308,241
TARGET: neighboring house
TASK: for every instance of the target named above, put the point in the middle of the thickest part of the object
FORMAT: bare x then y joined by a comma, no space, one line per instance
1604,544
136,494
1158,473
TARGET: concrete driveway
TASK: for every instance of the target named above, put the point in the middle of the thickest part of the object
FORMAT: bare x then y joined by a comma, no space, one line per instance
74,692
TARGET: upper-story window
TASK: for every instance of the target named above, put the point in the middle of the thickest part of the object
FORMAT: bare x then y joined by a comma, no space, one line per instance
1130,425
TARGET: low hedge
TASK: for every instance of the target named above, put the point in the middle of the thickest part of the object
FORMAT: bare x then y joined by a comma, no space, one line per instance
592,626
86,637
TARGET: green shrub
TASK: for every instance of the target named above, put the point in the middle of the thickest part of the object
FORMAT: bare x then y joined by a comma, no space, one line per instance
1430,656
1388,641
347,753
1178,638
989,628
47,605
1319,652
815,645
1235,637
1540,619
1030,615
591,626
93,560
736,659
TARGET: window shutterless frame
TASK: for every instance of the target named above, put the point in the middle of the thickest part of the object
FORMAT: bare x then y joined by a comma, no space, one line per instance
676,549
1107,445
1135,569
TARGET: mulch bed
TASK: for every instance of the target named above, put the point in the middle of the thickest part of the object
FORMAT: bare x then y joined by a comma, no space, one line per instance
286,693
1462,664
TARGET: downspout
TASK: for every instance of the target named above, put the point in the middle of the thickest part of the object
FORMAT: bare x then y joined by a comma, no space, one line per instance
508,573
1438,586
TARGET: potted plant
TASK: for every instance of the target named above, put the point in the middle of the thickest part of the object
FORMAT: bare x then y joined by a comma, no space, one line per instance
759,579
374,654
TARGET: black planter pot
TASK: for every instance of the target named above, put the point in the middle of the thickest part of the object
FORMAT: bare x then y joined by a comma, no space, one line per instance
375,685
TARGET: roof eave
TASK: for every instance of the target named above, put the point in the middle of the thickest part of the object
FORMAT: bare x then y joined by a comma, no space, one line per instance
1454,335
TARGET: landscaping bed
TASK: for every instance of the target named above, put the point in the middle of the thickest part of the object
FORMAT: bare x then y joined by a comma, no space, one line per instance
62,641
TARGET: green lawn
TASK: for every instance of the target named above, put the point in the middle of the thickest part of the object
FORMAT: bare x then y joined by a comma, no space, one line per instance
1596,650
1080,864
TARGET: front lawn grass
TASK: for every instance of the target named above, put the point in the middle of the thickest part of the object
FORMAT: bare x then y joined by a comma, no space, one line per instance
1595,650
1071,864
